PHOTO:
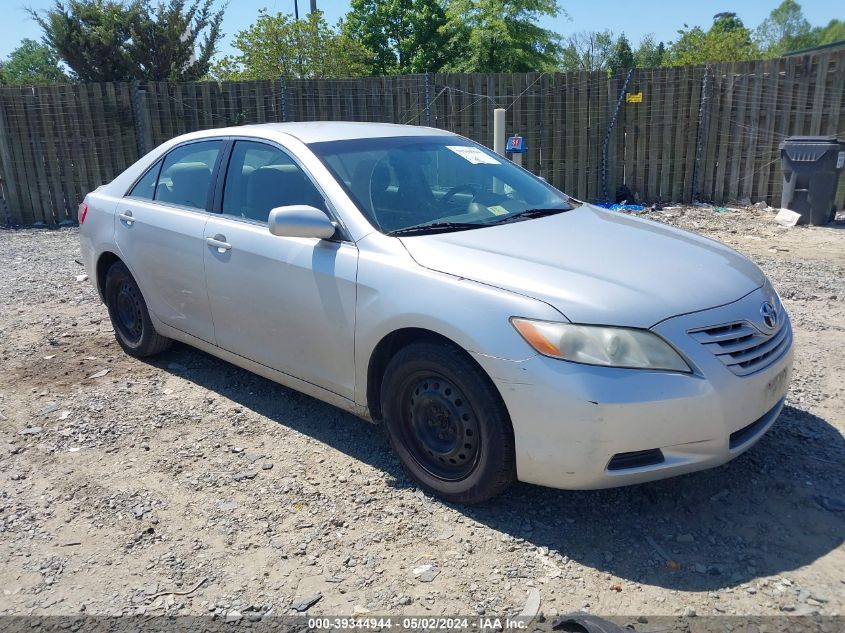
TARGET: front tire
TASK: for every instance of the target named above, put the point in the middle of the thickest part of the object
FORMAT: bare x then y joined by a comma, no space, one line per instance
447,423
129,316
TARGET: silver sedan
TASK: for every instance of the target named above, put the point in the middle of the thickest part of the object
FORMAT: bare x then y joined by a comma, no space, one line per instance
499,329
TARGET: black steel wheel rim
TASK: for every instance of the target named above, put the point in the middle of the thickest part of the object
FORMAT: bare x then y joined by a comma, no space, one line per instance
440,428
129,312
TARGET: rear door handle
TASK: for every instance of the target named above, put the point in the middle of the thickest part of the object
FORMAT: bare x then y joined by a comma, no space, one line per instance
219,242
126,216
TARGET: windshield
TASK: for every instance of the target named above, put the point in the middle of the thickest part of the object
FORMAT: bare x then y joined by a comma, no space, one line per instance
421,183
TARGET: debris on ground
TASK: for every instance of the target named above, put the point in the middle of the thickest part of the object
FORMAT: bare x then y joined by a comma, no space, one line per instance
162,440
785,217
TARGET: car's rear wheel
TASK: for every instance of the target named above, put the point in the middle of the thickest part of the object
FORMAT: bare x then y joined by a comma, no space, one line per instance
130,318
447,423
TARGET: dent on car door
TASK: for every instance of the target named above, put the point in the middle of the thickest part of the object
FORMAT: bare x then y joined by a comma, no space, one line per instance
159,232
287,303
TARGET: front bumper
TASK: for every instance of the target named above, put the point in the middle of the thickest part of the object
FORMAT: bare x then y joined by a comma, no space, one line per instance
570,421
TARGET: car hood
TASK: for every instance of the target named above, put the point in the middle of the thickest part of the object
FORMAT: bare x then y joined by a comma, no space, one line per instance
595,266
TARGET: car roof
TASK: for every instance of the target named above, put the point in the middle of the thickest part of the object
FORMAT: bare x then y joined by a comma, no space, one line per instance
319,131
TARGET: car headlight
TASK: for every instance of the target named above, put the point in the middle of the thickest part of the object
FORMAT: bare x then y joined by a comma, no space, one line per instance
600,345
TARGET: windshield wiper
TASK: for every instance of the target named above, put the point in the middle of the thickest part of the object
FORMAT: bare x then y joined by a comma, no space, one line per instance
528,214
435,227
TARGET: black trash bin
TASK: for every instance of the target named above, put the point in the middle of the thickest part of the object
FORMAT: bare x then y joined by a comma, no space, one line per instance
811,166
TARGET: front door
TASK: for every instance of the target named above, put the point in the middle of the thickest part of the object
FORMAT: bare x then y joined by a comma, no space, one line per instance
287,303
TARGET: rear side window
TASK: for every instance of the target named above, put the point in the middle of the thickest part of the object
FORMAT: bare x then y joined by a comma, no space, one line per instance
185,177
262,177
146,187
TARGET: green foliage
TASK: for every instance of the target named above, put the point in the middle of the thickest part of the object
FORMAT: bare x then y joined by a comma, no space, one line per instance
587,51
31,63
786,29
111,40
90,37
173,40
650,54
279,46
404,35
727,40
621,57
834,31
501,36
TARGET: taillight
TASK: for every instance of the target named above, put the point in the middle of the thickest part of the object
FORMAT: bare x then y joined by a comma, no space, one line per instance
83,211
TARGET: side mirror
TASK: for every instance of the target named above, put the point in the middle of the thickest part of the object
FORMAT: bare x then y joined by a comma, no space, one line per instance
300,220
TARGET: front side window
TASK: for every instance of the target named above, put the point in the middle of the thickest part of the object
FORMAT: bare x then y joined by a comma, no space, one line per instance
185,177
447,182
262,177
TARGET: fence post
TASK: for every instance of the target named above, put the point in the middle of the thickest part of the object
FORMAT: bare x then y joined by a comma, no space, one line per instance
10,196
282,99
701,132
137,111
610,125
427,102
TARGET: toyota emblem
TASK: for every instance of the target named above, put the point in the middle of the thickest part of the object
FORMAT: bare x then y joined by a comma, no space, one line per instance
769,314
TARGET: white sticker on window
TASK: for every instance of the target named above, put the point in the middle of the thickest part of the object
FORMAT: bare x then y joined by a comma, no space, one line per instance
473,155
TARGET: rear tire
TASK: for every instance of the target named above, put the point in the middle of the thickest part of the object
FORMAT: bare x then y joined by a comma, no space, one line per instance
447,423
129,316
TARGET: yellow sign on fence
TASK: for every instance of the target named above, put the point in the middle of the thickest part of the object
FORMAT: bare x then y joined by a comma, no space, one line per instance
634,97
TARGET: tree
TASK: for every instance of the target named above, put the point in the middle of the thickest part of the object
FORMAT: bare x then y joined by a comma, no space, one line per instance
111,40
174,41
621,56
727,40
587,51
500,36
31,63
279,46
834,31
90,37
649,54
404,35
786,29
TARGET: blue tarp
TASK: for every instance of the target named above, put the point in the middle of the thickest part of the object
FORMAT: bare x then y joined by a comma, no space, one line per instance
635,208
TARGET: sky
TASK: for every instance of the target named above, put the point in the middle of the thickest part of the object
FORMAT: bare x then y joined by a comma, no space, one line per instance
635,18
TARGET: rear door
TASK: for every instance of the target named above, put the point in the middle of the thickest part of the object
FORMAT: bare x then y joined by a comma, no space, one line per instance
287,303
159,232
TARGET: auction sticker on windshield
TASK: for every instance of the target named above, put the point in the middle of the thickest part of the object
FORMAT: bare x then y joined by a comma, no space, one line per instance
473,155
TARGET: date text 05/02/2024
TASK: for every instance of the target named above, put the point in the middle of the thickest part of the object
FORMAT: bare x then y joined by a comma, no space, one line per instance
418,623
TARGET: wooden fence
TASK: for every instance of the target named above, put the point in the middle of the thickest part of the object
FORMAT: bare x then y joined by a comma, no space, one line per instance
708,133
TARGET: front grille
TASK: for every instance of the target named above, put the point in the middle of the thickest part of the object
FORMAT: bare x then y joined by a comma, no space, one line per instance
636,459
743,347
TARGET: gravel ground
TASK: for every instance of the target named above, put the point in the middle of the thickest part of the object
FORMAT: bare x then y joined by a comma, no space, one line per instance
185,485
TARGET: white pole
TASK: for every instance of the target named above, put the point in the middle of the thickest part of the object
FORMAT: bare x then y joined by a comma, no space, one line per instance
517,158
499,131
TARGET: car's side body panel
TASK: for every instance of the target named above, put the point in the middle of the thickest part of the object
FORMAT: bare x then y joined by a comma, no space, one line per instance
163,247
308,388
287,303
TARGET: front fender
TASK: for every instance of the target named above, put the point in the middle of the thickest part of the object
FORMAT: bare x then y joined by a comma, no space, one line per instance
395,293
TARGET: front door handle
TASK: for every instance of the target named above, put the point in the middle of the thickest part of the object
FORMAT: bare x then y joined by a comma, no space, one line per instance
126,216
219,242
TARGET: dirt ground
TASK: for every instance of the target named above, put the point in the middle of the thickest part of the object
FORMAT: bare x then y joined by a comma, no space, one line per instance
187,485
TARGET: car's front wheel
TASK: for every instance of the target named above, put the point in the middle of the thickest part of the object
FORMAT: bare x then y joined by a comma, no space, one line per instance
130,318
447,423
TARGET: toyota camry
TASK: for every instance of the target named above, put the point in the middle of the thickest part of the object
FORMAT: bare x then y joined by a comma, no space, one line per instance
499,329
